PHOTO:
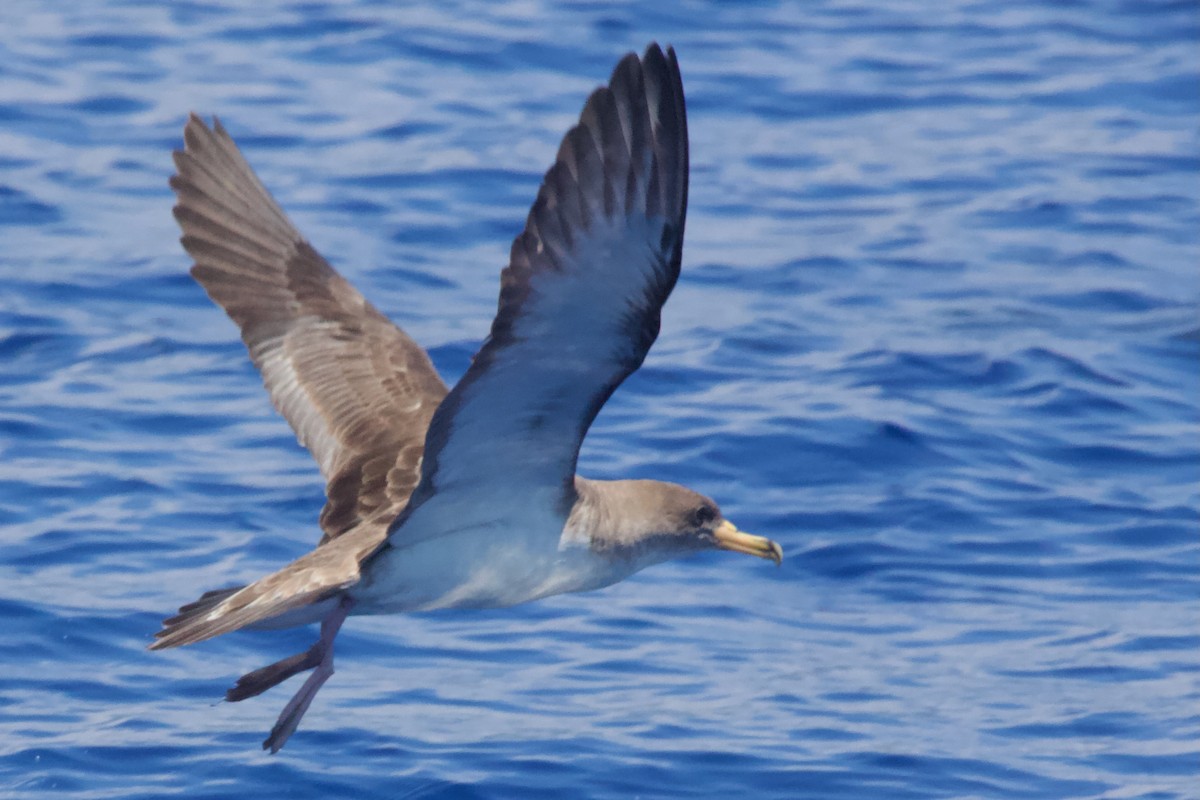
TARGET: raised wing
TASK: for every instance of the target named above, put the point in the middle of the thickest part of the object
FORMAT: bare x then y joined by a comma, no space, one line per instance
579,307
358,392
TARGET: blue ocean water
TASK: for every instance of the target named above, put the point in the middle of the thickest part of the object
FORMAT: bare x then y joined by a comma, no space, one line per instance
937,334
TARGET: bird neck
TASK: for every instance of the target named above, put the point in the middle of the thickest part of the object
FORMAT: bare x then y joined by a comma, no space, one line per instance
620,520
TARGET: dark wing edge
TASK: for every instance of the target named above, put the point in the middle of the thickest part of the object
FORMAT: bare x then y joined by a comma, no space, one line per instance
580,301
357,391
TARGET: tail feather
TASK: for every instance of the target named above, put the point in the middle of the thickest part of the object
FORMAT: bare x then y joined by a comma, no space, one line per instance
207,602
191,617
289,596
235,609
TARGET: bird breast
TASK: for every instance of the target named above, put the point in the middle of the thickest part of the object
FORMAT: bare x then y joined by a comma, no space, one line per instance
489,565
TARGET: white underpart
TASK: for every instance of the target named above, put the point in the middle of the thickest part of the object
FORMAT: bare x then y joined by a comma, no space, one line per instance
492,531
501,550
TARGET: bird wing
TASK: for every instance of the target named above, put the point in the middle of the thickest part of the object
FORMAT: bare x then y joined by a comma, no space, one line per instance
357,391
579,308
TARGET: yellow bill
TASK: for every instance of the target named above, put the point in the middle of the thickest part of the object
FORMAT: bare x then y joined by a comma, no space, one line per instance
730,538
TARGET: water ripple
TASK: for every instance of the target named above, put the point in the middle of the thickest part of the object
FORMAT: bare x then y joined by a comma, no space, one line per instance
936,333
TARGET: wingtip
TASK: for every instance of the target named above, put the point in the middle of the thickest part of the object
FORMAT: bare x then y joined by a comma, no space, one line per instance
672,60
653,47
653,56
196,131
195,124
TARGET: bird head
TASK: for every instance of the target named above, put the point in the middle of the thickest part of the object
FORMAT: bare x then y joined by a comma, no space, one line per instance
655,521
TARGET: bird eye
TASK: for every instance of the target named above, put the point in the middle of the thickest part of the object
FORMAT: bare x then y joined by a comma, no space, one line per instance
703,515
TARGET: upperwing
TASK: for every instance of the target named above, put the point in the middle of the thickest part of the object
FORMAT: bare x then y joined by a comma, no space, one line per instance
357,391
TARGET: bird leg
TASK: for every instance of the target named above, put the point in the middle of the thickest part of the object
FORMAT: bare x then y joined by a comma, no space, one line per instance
255,683
318,658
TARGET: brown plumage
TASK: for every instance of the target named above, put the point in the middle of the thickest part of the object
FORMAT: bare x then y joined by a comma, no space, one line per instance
357,391
353,386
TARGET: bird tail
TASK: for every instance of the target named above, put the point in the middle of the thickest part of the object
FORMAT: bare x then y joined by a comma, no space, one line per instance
296,594
189,613
253,606
293,595
184,627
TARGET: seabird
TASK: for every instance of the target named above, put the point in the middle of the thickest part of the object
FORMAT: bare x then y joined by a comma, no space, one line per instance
462,498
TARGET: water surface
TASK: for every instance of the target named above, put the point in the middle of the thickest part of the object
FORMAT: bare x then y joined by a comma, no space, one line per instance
937,334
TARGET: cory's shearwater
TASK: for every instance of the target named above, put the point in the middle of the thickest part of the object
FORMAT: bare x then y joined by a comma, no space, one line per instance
466,498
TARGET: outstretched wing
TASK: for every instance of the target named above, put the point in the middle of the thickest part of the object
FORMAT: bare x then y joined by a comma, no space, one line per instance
358,392
579,307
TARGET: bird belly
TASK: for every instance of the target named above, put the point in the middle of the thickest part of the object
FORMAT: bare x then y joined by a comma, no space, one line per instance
482,568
